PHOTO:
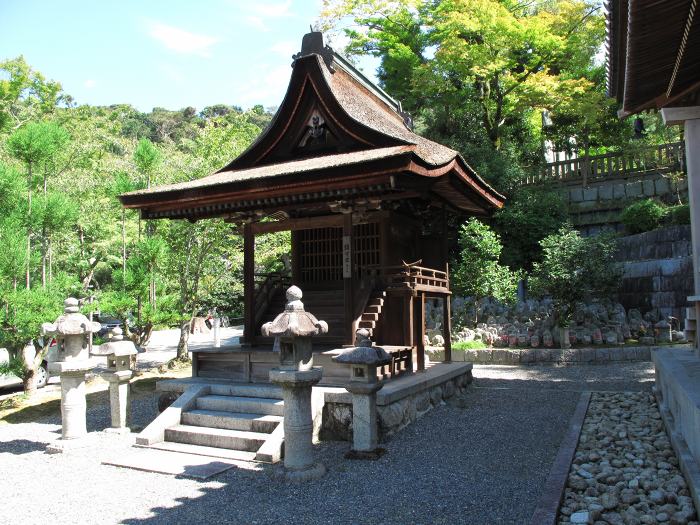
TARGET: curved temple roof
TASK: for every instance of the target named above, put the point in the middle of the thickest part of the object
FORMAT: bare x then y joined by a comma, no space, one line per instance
653,57
335,135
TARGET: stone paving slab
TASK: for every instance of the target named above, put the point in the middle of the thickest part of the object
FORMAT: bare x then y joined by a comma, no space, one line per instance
166,462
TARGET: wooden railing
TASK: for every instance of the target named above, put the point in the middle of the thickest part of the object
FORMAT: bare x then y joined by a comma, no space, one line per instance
661,159
266,286
412,277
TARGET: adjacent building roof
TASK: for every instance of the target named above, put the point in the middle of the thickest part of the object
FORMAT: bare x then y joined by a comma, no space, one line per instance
335,135
653,50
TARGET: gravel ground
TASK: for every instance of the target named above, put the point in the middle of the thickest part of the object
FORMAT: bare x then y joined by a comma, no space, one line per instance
482,460
624,471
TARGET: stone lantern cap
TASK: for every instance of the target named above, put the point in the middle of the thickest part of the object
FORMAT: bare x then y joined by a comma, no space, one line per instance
294,321
72,322
364,353
116,346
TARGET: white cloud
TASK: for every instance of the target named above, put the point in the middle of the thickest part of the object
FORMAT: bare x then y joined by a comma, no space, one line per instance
285,48
257,23
89,83
269,84
182,41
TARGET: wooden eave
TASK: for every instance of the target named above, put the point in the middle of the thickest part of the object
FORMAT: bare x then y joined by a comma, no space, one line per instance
380,177
653,57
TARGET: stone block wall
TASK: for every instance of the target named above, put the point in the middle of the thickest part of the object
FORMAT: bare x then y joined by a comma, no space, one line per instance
657,270
597,206
393,416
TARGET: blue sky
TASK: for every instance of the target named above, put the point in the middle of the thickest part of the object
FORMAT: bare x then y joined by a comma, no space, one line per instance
169,54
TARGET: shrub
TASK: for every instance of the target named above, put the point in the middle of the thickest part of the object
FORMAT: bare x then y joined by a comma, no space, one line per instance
575,269
643,216
679,214
478,272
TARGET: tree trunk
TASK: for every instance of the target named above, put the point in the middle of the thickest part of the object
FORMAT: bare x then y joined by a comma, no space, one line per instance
50,261
29,215
29,382
43,258
123,246
182,346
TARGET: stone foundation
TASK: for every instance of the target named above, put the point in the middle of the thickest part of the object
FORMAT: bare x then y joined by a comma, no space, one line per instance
400,402
678,393
503,356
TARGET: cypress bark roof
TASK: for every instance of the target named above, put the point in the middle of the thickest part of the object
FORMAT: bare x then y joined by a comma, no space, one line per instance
332,124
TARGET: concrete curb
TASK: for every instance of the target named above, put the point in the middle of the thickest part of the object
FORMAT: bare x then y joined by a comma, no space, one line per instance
548,504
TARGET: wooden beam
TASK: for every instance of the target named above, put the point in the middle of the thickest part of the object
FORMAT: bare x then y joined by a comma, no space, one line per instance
305,223
248,284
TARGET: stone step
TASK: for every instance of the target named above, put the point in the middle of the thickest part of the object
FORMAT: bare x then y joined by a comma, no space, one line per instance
231,420
366,324
373,309
216,437
249,405
247,390
200,450
370,316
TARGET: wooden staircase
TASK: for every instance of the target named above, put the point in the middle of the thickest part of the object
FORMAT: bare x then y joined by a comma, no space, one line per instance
373,312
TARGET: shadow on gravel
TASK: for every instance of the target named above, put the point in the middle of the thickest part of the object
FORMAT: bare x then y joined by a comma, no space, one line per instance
613,377
49,410
21,446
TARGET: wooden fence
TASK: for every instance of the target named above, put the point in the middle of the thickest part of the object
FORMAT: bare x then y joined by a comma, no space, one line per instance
657,159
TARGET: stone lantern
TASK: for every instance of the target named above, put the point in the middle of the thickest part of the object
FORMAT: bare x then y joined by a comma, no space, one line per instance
118,353
71,332
296,375
364,360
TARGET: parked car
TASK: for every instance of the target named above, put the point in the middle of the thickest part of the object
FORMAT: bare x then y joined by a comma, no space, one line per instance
108,322
42,372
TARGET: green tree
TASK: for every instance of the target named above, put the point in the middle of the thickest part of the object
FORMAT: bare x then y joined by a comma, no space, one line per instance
575,269
478,272
529,216
33,144
25,94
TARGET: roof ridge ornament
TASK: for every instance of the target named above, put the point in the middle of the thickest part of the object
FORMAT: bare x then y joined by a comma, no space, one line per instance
312,44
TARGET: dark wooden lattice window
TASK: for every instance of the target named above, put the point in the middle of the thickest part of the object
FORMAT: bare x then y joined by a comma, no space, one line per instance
321,254
365,246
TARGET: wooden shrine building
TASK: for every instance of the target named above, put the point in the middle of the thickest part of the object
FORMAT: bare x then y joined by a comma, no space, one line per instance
367,202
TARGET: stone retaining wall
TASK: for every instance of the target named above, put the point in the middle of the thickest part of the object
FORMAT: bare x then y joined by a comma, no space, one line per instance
393,412
597,206
504,356
657,270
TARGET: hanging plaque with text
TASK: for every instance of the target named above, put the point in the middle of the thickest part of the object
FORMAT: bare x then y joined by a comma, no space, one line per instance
347,258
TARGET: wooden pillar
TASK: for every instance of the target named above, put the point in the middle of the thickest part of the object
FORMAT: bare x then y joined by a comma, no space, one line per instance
348,279
419,322
447,319
447,328
248,284
408,321
296,264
